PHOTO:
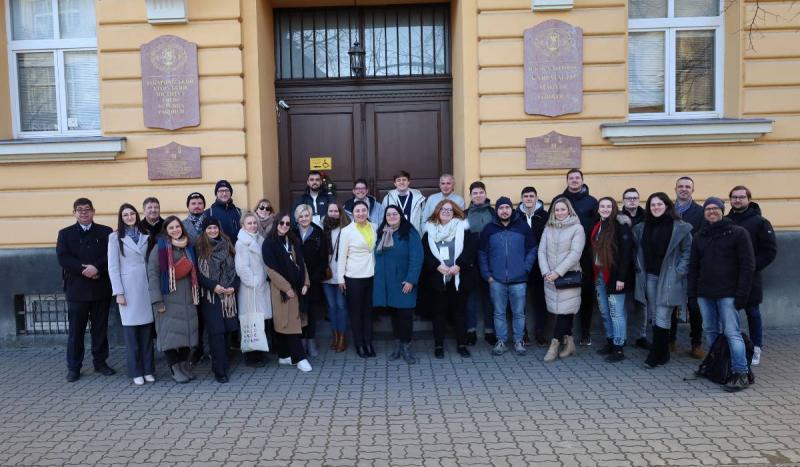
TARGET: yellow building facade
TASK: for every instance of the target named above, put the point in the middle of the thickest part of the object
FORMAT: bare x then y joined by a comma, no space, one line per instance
238,131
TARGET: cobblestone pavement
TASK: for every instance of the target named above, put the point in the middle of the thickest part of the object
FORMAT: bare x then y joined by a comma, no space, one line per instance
487,410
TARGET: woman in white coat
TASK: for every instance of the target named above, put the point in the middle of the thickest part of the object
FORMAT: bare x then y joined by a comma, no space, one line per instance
254,294
560,252
127,252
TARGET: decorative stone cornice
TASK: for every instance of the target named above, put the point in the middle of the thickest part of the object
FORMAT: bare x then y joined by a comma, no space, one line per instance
99,148
713,130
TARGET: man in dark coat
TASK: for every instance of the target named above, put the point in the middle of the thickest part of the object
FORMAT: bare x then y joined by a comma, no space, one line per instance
691,212
361,193
152,222
534,213
720,277
631,207
747,215
82,250
585,206
314,197
506,255
479,215
223,209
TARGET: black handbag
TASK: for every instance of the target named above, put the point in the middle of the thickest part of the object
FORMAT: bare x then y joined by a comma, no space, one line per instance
570,280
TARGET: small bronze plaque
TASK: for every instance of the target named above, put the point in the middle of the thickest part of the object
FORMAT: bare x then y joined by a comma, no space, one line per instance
173,161
553,151
553,60
170,87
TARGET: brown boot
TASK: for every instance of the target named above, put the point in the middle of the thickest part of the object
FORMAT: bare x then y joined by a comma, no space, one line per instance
334,340
698,352
341,346
569,347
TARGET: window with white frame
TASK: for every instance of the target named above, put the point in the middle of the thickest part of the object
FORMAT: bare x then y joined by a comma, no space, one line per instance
52,56
675,58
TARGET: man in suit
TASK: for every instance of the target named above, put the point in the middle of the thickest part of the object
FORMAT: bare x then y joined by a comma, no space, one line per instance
82,250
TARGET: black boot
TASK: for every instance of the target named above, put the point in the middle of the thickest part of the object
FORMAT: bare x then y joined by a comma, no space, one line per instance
665,342
616,355
608,348
654,356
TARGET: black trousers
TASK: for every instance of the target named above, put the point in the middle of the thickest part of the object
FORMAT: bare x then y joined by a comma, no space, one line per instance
139,341
79,315
181,354
289,345
316,305
218,348
450,302
587,295
201,328
562,326
359,307
537,306
402,323
695,324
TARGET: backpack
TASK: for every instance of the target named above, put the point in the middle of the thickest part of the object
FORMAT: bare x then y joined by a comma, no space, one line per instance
717,364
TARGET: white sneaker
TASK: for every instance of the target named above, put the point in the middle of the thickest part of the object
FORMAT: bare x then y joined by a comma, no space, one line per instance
756,356
150,378
139,381
285,361
304,366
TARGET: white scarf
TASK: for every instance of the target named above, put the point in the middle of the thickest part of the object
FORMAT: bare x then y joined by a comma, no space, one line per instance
438,233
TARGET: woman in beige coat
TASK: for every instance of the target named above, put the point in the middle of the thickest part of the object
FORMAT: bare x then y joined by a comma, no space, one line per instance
560,251
283,255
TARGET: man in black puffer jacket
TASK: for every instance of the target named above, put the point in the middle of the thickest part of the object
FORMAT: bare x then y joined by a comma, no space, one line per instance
747,214
720,276
585,206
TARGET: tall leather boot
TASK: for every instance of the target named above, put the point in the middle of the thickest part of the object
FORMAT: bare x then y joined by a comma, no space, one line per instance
334,340
665,346
342,345
654,356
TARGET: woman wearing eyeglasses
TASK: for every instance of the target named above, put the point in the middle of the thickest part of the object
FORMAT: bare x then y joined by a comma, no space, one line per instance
283,255
450,271
355,272
265,215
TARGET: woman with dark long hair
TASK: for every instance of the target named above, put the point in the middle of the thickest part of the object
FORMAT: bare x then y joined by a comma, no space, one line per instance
219,282
398,262
333,223
175,294
612,246
283,255
664,245
451,256
127,269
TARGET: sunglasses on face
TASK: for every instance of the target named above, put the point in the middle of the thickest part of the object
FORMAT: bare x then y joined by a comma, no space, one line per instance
287,224
262,208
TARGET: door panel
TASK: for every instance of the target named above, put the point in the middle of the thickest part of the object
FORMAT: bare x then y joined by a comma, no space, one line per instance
413,137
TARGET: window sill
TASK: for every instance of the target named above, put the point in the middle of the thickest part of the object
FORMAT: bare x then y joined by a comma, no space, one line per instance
712,130
99,148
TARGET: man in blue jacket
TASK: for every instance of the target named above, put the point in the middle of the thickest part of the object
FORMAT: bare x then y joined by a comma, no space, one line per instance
225,211
506,256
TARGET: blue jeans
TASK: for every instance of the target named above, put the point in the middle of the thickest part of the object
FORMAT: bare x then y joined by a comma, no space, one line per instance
719,314
754,323
612,309
660,315
478,302
502,294
337,307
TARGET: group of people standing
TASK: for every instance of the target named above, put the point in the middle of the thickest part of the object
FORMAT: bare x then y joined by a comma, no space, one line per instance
255,279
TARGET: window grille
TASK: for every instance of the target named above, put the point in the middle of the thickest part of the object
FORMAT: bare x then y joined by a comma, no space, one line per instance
41,314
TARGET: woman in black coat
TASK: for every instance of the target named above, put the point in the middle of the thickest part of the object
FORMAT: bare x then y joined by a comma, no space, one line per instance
316,260
218,284
612,245
450,271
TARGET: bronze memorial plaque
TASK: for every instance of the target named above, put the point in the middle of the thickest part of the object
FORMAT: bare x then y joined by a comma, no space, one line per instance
553,64
553,151
170,88
173,161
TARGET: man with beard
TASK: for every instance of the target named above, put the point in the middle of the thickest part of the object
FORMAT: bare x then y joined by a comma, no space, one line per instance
314,197
223,209
193,224
536,216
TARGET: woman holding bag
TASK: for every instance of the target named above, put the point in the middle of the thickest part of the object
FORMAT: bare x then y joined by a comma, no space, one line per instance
398,262
127,269
175,294
255,305
218,282
560,252
283,255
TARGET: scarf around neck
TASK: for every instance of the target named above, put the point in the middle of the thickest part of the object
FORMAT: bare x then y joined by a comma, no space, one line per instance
197,221
387,239
166,266
453,230
219,266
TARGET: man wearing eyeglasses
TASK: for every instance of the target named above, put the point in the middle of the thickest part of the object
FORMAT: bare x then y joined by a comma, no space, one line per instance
193,224
361,193
82,253
225,211
632,209
720,277
747,214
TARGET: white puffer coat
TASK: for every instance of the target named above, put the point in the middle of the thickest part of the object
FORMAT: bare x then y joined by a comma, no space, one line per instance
254,294
560,251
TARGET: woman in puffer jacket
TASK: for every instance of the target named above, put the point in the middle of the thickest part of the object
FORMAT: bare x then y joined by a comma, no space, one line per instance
560,252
